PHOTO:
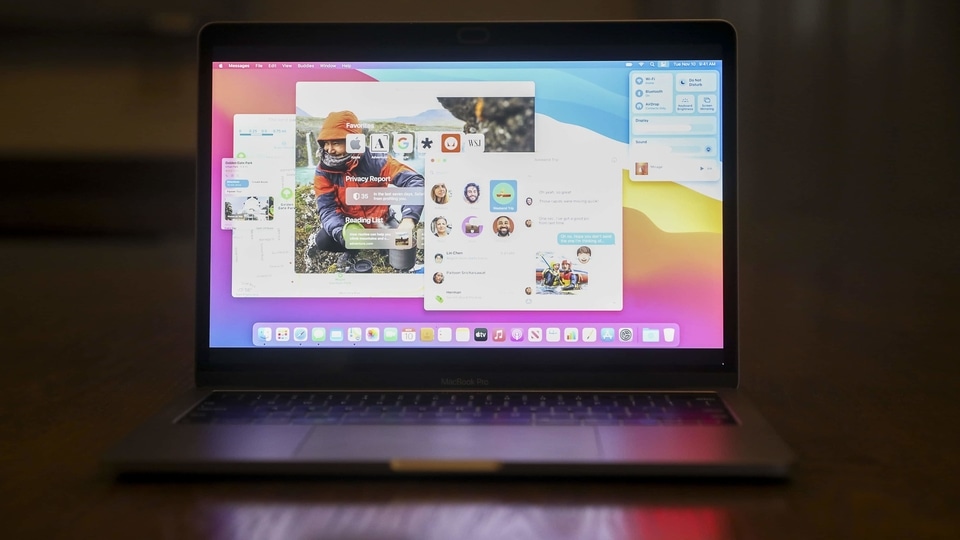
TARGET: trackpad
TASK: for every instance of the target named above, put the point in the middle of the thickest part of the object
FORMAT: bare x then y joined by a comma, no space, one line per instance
520,443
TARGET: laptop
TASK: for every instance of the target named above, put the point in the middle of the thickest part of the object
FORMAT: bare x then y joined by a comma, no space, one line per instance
479,248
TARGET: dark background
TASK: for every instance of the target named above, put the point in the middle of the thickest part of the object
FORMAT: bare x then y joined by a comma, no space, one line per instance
849,260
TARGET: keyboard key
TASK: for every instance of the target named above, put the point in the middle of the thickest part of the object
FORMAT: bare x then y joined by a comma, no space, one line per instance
640,422
322,420
599,422
551,421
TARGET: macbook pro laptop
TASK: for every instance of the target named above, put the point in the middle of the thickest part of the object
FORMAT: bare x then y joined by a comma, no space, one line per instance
505,248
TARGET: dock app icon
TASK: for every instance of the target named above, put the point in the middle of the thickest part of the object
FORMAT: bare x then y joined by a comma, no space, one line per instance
426,334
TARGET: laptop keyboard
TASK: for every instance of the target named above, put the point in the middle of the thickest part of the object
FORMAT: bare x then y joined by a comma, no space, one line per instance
462,408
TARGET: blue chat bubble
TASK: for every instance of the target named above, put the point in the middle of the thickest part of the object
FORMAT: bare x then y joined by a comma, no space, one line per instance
237,183
586,239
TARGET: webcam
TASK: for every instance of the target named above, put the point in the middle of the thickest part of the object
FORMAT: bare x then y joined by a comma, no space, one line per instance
473,35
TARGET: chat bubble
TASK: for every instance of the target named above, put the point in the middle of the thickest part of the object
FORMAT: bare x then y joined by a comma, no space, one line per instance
586,238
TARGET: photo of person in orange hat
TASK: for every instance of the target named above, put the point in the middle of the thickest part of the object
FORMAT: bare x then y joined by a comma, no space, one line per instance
344,163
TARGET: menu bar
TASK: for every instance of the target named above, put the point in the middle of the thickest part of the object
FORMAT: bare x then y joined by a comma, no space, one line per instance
643,64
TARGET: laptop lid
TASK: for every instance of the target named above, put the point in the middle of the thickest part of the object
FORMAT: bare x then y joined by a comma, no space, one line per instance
467,206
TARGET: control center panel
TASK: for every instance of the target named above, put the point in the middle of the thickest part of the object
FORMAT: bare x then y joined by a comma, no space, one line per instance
675,121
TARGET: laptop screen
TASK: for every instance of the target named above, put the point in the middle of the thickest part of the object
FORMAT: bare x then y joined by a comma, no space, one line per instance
477,205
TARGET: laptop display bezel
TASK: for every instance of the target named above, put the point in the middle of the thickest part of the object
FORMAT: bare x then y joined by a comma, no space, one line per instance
438,368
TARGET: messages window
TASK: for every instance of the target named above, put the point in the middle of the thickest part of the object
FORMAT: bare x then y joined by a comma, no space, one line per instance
524,232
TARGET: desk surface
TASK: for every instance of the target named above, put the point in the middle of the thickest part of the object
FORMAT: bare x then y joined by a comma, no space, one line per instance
852,364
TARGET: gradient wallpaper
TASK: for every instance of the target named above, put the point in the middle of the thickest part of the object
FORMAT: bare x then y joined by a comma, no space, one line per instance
671,232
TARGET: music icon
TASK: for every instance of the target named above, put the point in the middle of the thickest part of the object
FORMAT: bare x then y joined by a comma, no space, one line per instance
499,335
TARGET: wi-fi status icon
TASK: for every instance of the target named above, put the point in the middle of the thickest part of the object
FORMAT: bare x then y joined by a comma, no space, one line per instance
641,64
